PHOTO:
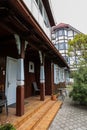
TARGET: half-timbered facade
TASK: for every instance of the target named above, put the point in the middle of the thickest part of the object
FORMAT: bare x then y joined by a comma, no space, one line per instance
61,34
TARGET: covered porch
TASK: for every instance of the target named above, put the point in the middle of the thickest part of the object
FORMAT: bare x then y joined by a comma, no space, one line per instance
23,41
37,113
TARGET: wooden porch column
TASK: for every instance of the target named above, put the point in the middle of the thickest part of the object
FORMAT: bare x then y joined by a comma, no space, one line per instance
20,77
42,77
52,77
20,88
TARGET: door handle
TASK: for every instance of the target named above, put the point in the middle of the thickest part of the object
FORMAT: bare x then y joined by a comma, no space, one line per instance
8,83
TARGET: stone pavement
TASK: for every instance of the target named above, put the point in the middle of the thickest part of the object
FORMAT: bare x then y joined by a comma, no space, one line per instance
70,117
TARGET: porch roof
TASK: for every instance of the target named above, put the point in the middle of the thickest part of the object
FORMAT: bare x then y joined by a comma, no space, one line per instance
16,18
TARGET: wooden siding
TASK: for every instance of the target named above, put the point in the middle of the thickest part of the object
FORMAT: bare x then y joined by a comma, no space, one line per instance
31,77
48,77
5,50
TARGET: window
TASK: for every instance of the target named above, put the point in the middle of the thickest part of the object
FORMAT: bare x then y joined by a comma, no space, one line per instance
31,67
65,32
61,75
40,7
46,21
62,46
60,32
56,74
66,44
36,1
67,59
70,33
57,33
43,12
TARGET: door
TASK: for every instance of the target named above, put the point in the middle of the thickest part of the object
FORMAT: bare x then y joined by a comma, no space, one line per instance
11,79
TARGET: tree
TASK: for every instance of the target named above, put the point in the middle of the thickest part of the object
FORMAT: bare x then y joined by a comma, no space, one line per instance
78,49
79,92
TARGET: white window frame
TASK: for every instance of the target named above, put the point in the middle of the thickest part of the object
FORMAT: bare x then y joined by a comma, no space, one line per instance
31,67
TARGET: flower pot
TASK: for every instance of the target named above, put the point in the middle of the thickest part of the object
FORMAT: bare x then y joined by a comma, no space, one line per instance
53,97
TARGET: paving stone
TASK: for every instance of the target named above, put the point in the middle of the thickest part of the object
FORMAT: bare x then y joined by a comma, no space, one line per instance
70,117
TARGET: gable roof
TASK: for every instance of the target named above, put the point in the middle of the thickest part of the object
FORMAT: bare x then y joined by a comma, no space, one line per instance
64,25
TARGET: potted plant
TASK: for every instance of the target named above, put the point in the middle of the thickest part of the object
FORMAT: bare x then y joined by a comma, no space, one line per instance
7,126
54,95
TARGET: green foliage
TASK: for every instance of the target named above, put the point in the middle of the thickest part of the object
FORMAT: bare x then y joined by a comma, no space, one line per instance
71,74
78,48
79,92
7,127
55,91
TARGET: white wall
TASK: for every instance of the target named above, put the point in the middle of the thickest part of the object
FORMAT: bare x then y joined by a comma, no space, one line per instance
32,6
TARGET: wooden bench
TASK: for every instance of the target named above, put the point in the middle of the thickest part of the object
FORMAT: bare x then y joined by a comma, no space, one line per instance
36,89
3,101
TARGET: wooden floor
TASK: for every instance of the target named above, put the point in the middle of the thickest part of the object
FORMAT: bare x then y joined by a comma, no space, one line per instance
38,114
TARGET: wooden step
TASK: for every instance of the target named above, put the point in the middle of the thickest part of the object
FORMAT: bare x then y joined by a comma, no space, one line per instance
48,118
28,125
33,122
32,109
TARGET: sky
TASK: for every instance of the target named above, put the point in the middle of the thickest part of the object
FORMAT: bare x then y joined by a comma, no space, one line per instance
73,12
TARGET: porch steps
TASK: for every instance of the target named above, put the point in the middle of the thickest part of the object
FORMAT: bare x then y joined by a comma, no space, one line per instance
48,118
41,117
31,109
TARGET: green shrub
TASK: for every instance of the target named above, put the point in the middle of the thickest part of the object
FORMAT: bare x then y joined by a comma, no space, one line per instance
7,126
79,92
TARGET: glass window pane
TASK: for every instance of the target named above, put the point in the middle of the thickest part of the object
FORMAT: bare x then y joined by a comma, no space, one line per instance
46,21
66,45
57,33
70,33
36,1
40,6
65,32
60,32
61,46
